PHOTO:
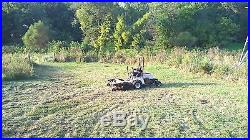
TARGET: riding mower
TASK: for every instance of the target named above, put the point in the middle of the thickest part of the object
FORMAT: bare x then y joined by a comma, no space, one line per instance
137,79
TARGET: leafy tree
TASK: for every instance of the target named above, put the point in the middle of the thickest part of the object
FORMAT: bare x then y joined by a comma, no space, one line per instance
138,31
183,39
161,24
212,24
131,36
37,37
17,17
104,36
125,37
14,22
119,30
92,15
60,18
136,41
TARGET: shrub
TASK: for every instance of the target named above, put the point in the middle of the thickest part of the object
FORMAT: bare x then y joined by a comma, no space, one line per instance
107,52
222,70
184,39
13,49
106,56
119,57
16,66
176,56
74,54
215,62
128,56
90,56
64,52
85,45
206,65
60,56
73,44
37,37
56,46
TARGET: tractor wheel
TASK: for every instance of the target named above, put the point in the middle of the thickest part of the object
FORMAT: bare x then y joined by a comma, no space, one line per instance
137,84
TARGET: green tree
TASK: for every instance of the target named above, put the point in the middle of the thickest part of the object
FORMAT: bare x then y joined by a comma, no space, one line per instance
164,24
120,28
17,17
130,36
132,11
104,32
60,18
37,37
207,24
92,15
138,31
136,41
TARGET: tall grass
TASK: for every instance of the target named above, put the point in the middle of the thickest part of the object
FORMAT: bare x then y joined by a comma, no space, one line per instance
16,66
214,61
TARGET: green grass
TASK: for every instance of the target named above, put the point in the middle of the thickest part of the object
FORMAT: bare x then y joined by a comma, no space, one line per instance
68,99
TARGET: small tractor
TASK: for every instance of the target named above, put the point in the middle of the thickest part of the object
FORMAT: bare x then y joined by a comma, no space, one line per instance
137,79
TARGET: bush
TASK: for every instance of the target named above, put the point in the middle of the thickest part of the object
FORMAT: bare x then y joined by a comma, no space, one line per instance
206,65
127,56
64,52
69,55
37,37
74,54
56,46
106,56
85,45
16,66
184,39
175,57
13,49
90,56
74,44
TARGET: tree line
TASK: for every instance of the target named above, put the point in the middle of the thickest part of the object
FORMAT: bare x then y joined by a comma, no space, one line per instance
120,25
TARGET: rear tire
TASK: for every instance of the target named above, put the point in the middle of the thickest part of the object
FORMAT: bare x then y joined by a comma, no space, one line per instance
137,84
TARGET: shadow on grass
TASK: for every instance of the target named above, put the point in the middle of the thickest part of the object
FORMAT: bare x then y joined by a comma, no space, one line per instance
45,72
185,84
178,85
40,72
173,85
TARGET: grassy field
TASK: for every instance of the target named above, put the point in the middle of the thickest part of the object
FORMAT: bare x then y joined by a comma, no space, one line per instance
68,99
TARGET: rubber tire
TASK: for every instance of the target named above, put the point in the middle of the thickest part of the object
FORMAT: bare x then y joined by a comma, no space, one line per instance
137,82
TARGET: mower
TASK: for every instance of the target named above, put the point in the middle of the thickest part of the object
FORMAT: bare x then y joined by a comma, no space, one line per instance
137,79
